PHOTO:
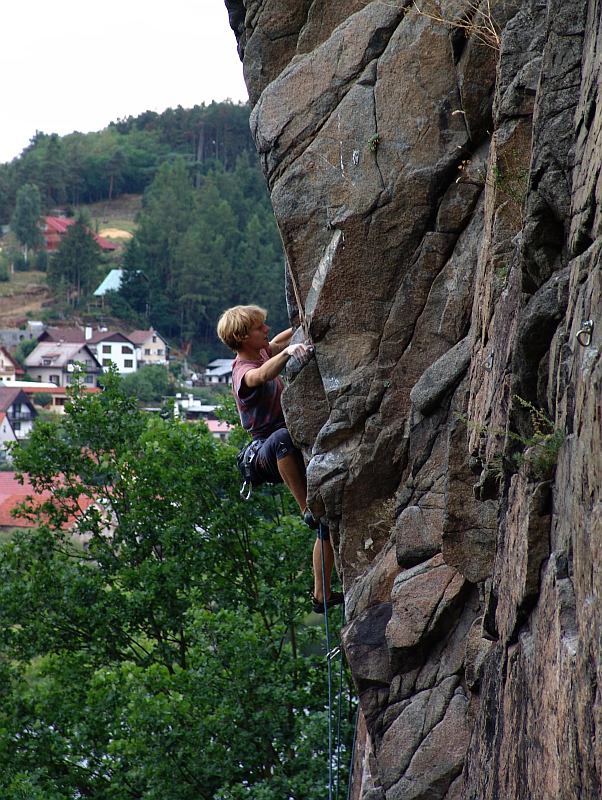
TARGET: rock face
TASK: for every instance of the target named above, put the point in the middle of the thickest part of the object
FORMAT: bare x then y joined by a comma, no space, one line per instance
440,206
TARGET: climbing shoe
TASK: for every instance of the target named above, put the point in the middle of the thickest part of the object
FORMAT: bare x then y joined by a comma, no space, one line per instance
311,521
335,599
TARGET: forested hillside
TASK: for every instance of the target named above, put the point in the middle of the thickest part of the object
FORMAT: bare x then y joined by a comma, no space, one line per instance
205,238
125,156
199,250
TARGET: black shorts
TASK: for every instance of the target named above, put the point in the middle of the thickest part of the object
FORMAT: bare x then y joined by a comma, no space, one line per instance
265,466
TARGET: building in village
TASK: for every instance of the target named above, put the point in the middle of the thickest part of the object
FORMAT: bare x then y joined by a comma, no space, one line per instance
152,347
128,352
219,371
192,409
14,491
57,362
55,229
18,410
12,337
10,370
58,394
113,348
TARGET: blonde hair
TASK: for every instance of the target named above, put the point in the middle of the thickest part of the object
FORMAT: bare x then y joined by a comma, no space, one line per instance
235,323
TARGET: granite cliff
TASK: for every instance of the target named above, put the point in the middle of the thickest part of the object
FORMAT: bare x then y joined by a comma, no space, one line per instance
437,185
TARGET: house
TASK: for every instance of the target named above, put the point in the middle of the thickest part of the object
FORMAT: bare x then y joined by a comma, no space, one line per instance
18,409
192,408
72,335
126,351
113,347
14,491
58,394
55,362
7,435
9,369
218,428
219,371
110,283
12,337
56,227
152,347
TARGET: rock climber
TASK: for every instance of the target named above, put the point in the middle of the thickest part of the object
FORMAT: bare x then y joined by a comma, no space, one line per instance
257,388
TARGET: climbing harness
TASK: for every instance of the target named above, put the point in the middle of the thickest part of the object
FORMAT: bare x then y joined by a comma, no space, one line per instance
244,462
331,656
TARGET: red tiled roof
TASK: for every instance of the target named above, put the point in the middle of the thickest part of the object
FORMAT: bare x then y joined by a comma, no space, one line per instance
102,336
71,335
218,426
8,397
61,224
12,493
57,390
139,337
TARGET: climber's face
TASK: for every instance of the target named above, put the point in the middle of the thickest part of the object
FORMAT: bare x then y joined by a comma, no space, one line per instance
257,338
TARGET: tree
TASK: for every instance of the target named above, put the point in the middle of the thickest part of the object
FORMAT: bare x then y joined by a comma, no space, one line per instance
23,349
149,383
54,171
75,265
168,658
25,222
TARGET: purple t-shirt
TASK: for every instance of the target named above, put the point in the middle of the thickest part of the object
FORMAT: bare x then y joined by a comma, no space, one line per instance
260,409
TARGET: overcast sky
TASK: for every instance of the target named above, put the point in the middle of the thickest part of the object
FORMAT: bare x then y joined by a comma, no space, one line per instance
77,65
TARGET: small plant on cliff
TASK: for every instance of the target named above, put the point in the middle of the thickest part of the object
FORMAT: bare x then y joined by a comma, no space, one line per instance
476,20
537,451
373,142
541,448
510,180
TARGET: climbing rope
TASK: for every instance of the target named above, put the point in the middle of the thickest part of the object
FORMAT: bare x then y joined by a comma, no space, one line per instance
300,306
331,655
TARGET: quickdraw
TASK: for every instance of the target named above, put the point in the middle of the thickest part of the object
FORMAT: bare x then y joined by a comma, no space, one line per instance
244,462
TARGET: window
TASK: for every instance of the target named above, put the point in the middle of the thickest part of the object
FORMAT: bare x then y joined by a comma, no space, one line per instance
106,348
128,362
59,401
154,339
106,362
126,349
160,351
147,351
90,379
46,362
56,379
16,425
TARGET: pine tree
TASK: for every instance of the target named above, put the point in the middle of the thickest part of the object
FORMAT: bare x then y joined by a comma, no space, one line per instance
75,264
25,222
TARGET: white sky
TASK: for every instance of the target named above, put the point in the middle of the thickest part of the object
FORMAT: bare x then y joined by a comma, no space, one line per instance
77,65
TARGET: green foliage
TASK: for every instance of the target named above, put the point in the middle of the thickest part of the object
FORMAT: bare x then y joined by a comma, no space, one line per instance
75,265
20,263
167,658
26,216
43,399
23,349
541,448
124,158
149,383
204,249
373,142
537,450
41,261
